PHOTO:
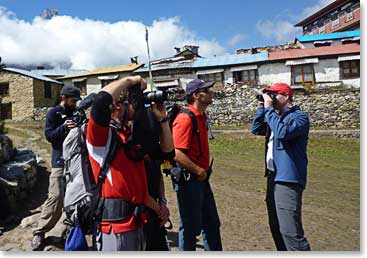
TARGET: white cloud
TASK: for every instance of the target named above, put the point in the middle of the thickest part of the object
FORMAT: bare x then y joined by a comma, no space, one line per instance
237,38
283,30
87,44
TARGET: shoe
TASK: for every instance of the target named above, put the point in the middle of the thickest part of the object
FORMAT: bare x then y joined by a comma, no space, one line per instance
37,242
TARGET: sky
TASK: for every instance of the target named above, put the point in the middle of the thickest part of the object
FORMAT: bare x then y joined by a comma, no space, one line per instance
91,34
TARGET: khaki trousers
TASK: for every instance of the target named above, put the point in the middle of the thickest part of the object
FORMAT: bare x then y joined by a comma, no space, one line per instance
52,207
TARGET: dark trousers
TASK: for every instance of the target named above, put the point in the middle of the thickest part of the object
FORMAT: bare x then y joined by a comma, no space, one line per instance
198,214
155,235
284,204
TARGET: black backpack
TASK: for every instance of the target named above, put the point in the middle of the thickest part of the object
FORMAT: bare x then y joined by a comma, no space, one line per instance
173,112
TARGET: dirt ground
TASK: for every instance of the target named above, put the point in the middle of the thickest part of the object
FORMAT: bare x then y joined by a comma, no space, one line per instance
330,206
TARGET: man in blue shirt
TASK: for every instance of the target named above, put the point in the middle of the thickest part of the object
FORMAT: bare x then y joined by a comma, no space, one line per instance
286,129
58,124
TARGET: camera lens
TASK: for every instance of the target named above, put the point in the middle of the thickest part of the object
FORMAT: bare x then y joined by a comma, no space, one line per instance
155,96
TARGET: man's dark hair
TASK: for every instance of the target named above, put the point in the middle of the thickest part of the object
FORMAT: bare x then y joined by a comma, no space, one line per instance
190,99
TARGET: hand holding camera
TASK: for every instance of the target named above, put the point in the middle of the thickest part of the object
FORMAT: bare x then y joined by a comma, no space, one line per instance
70,124
268,100
159,111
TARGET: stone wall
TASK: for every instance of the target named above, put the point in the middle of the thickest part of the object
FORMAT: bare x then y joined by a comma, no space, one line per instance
18,175
20,94
338,108
39,94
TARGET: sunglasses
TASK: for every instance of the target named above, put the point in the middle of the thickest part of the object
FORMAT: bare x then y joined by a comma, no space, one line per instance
205,90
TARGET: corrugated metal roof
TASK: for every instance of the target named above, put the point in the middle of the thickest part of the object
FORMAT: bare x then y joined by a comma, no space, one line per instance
328,36
104,70
166,66
57,72
231,59
315,52
30,74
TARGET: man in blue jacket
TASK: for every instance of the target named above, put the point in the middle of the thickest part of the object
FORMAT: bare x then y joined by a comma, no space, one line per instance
58,124
286,129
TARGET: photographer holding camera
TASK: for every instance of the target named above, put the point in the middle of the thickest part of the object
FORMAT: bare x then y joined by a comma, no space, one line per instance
125,190
286,129
58,124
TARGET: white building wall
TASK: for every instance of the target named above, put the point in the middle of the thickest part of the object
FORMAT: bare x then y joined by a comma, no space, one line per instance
327,70
274,72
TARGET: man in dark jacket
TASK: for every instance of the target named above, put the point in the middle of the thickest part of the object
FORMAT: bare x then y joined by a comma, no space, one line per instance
286,129
58,124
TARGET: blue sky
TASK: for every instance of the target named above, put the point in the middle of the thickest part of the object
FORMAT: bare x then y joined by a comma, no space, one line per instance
230,24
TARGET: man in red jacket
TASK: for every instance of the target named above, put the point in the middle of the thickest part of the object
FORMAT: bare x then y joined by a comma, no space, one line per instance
124,189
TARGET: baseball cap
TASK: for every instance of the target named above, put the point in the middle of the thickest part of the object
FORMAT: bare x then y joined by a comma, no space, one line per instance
70,92
196,84
281,88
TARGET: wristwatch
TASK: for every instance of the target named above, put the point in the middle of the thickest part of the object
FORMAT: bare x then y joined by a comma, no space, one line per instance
162,200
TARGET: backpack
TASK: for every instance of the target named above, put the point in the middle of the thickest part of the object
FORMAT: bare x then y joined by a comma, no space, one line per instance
82,193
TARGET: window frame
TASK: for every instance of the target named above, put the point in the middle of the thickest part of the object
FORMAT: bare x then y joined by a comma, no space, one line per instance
213,77
349,66
303,82
239,79
82,86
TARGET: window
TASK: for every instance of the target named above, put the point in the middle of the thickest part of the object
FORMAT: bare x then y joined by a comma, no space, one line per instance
4,88
247,76
303,74
6,111
335,23
350,69
47,90
214,77
349,17
82,86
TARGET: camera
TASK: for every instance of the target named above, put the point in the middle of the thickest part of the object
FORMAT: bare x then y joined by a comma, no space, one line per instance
156,96
79,117
138,98
272,95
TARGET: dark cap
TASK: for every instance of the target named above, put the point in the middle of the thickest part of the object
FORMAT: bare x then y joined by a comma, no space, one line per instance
196,84
281,88
70,92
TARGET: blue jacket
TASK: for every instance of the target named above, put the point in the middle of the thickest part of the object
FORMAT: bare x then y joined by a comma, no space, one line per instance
290,141
56,132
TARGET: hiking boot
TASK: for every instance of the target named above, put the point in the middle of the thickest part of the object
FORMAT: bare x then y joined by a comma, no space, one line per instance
37,242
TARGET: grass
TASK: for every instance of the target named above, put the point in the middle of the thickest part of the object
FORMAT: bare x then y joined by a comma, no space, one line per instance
331,202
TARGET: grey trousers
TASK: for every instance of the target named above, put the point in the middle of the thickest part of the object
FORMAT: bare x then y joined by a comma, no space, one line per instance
284,204
126,241
52,207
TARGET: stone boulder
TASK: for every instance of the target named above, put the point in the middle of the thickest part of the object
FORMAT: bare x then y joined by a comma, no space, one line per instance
17,177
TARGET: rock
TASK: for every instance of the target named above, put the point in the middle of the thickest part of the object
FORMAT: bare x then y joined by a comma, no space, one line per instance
6,149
